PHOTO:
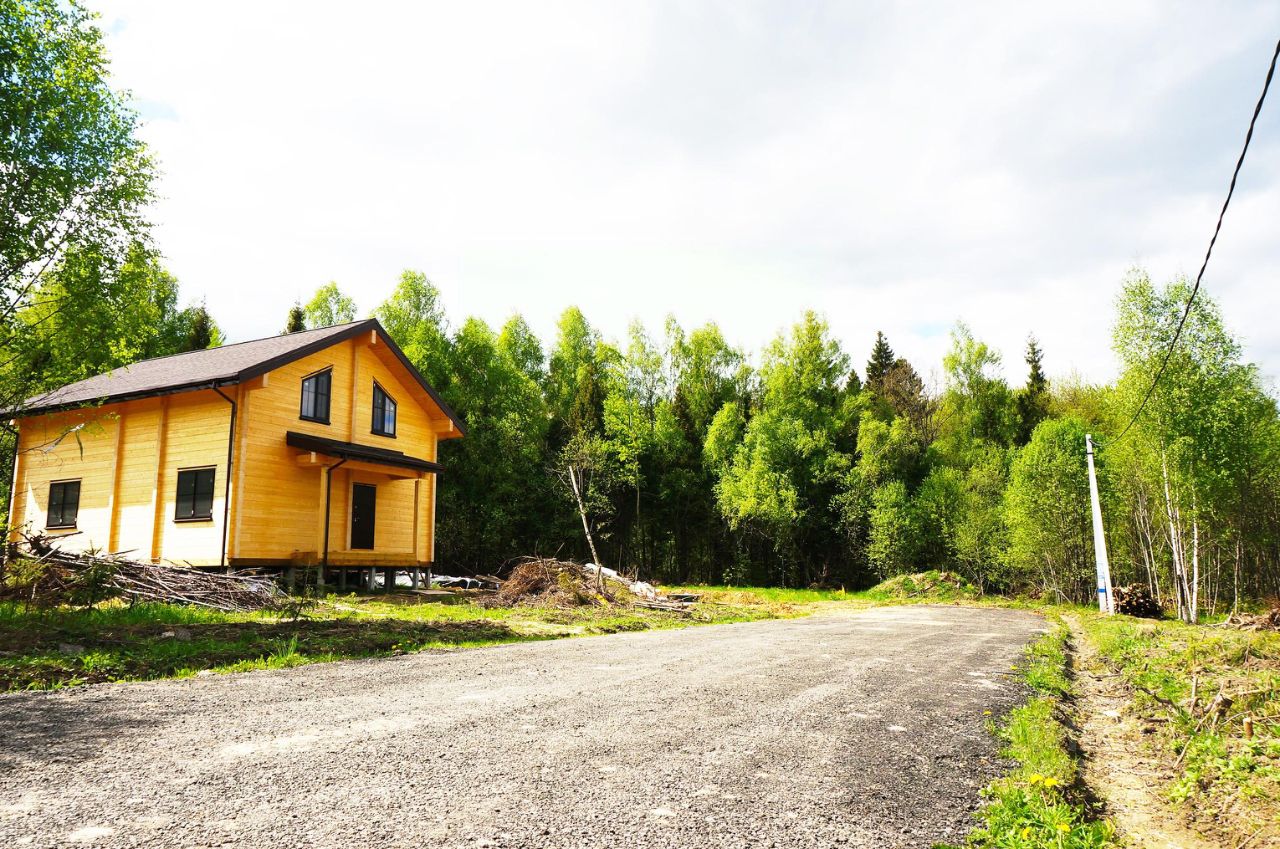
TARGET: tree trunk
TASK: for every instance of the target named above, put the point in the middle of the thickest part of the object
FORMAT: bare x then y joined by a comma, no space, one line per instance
586,526
1195,565
1175,546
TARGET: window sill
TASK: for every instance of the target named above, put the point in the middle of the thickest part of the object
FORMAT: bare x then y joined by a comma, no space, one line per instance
314,421
59,527
190,519
379,433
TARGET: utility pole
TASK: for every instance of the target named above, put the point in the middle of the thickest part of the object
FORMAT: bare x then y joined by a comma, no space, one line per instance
1106,601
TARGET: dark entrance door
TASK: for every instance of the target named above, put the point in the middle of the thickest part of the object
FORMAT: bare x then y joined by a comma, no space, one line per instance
364,510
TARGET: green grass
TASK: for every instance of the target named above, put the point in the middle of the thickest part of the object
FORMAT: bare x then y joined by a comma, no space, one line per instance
932,586
1040,804
1219,767
113,642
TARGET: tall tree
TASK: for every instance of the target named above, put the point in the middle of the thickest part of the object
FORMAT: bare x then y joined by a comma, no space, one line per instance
297,319
415,318
329,306
783,478
202,333
882,360
74,176
1032,399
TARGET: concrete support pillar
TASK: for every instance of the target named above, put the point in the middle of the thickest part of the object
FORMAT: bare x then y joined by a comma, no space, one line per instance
415,578
342,581
388,580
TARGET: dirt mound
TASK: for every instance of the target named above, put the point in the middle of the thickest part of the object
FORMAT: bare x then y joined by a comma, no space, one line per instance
942,586
558,583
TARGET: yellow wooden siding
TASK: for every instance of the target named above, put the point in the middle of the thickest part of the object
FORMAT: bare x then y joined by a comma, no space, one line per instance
281,502
52,451
135,521
132,454
196,438
127,459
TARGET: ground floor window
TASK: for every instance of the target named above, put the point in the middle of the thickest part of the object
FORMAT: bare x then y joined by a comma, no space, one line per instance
64,504
195,494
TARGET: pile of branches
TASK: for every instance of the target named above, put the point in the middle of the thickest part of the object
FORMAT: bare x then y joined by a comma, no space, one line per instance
1136,600
1267,621
39,573
559,583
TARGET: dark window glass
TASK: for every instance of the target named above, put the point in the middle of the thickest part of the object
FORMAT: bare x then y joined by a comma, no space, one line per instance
195,494
315,396
64,504
384,412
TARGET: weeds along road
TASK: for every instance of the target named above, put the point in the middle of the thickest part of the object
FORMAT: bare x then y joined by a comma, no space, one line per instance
858,729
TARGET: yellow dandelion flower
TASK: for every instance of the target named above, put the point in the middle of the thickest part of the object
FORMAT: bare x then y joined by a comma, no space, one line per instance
1051,782
1035,779
1026,832
1063,827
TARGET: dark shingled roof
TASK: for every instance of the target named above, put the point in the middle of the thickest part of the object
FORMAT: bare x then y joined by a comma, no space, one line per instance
223,366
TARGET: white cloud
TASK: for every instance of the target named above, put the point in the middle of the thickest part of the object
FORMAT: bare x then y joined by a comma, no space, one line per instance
896,167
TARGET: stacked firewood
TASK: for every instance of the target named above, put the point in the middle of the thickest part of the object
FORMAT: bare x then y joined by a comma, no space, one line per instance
40,573
1136,600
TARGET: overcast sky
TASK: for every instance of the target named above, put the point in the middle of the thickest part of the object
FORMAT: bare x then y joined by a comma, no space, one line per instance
894,166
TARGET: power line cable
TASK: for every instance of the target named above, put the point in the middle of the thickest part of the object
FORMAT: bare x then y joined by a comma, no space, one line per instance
1196,288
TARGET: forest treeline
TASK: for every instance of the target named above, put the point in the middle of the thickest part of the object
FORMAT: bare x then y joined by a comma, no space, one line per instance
681,459
671,453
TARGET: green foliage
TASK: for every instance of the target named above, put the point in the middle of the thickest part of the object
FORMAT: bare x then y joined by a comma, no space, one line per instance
882,359
893,533
329,306
73,173
1047,511
297,320
1033,399
414,317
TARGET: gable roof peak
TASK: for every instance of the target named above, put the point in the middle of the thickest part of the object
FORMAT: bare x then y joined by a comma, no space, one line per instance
213,367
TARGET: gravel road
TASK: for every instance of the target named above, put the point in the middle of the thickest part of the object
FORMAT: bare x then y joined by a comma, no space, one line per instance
857,729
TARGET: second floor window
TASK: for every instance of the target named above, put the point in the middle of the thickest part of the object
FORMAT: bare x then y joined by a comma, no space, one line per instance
64,504
315,396
384,412
195,494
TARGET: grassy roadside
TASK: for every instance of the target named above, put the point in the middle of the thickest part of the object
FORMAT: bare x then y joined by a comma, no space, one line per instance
112,642
1225,781
1041,803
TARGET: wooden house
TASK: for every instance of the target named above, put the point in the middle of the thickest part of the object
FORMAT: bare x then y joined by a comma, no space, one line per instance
315,448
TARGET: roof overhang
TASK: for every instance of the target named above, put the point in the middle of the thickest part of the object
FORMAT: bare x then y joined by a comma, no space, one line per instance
48,402
359,453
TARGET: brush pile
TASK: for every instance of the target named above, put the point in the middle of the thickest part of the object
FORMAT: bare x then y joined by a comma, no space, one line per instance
1136,600
40,574
1266,621
560,583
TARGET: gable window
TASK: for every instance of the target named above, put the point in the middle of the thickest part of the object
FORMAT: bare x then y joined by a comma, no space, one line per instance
384,412
195,495
64,504
315,396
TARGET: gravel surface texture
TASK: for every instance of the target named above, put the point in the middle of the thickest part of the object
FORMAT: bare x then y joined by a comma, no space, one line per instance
858,729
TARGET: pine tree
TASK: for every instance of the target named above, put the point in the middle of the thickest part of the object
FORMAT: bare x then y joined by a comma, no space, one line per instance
200,331
297,318
1033,399
882,360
